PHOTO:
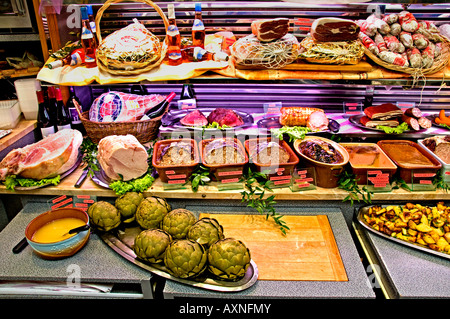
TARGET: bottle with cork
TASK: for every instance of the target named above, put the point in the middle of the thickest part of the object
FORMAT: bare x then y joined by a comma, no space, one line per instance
173,38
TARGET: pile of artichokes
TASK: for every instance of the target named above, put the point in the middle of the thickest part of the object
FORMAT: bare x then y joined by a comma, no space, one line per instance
187,246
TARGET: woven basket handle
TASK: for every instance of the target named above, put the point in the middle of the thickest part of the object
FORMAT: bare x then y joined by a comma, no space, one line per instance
106,5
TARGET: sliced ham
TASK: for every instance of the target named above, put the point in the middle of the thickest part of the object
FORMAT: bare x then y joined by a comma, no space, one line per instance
334,30
122,157
49,157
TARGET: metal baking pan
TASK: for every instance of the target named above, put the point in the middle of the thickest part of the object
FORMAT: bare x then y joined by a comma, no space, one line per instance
121,241
420,247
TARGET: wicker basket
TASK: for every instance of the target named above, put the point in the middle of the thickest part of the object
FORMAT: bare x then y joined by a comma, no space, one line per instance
118,70
144,131
439,63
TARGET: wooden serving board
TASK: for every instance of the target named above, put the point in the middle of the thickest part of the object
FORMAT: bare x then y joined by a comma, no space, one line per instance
308,252
362,66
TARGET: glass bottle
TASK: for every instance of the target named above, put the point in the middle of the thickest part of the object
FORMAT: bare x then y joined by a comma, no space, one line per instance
44,122
198,28
91,18
73,59
62,114
187,98
74,117
51,104
88,40
173,38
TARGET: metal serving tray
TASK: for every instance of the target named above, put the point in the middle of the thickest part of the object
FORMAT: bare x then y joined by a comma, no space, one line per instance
121,241
420,247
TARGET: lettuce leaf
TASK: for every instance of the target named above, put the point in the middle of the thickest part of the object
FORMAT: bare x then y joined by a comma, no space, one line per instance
12,181
137,185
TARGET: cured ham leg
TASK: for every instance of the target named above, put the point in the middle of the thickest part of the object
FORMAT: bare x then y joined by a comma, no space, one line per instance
46,158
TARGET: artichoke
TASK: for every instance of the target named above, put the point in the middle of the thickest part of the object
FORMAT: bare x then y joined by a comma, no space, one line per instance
228,259
151,212
185,258
105,216
150,245
177,222
206,231
127,205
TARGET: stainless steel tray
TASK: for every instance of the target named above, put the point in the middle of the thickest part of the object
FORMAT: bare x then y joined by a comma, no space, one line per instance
420,247
122,240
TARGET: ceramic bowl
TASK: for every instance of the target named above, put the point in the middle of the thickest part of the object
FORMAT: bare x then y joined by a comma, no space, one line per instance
327,175
63,248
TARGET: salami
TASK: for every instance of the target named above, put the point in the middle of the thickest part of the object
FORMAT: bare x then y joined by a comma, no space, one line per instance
379,41
368,43
414,57
382,26
420,41
408,21
391,18
424,122
393,58
396,29
406,39
367,28
412,122
334,29
393,44
413,112
427,57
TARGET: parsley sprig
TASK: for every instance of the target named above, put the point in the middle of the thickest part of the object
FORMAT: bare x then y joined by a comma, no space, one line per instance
254,197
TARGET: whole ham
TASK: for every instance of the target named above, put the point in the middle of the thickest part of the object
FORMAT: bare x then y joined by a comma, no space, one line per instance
117,106
122,157
267,30
49,157
334,29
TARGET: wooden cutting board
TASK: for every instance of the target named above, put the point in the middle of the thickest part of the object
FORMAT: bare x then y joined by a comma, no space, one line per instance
308,251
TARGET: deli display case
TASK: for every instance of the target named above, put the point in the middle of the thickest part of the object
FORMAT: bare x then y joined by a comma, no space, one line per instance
295,237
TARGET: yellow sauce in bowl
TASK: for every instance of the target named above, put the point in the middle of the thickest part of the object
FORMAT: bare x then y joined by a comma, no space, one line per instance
56,230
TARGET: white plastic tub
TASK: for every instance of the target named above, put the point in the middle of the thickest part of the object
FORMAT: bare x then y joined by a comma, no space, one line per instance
26,93
9,114
445,170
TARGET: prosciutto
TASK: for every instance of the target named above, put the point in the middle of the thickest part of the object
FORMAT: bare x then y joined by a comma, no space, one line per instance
49,157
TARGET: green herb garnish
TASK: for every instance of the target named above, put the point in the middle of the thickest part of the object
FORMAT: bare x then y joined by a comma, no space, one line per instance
349,182
294,132
12,181
439,182
140,184
254,197
89,150
216,125
399,129
200,176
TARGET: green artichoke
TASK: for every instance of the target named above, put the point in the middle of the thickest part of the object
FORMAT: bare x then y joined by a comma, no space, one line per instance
228,259
185,258
127,205
151,212
105,216
150,245
206,231
177,222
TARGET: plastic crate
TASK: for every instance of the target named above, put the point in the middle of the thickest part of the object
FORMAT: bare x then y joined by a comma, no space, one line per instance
9,114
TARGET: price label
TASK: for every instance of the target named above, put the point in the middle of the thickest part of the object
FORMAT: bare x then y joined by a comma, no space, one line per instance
303,179
405,105
272,109
378,181
187,104
352,108
422,180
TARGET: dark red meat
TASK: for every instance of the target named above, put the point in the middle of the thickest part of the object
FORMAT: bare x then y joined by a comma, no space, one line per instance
225,117
270,29
194,118
334,29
